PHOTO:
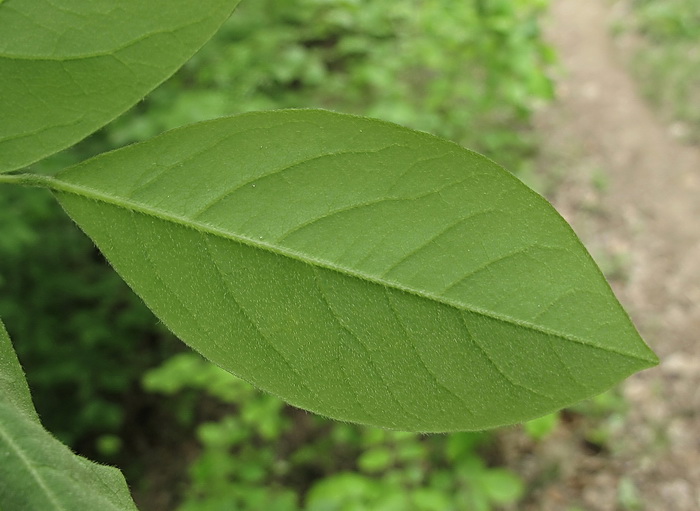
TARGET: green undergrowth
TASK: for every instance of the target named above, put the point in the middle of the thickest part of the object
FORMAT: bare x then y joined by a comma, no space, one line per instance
260,454
667,60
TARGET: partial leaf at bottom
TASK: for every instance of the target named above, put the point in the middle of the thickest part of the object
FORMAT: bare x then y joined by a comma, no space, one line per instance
13,385
37,472
358,269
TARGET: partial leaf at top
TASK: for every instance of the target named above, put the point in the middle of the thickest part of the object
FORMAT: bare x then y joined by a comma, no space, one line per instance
358,269
37,472
69,67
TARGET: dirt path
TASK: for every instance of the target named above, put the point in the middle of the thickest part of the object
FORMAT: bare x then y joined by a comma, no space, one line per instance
632,193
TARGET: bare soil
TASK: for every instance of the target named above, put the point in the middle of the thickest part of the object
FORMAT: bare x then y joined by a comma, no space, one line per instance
632,192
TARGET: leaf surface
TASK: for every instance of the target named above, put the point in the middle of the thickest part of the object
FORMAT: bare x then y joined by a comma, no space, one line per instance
69,67
13,385
358,269
37,472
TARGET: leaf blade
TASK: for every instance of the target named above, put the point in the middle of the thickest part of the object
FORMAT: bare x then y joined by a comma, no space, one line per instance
38,472
13,385
85,63
379,270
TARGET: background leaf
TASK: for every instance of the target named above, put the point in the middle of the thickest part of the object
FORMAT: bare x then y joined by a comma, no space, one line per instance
358,269
37,471
66,69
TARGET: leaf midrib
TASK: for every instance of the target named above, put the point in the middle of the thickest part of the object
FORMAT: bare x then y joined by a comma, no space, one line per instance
59,185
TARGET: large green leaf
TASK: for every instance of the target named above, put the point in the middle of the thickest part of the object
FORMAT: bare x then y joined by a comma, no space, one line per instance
358,269
37,472
69,67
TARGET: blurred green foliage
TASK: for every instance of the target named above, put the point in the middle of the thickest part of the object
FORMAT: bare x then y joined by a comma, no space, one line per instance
667,62
605,419
471,71
257,457
468,70
542,427
669,20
